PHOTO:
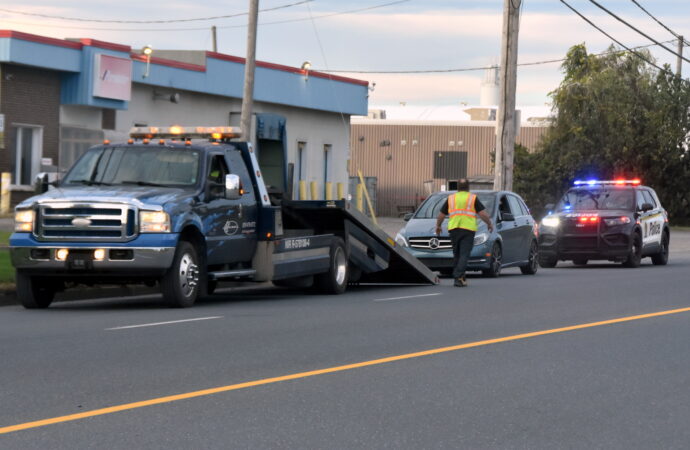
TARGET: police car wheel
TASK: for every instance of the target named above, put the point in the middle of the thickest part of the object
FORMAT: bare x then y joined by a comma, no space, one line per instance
532,261
32,292
495,263
635,256
661,258
335,280
180,284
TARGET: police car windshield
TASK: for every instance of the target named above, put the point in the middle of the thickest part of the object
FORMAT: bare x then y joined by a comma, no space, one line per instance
597,198
139,165
432,205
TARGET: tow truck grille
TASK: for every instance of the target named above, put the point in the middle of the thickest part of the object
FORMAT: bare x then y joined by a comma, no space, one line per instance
91,222
431,243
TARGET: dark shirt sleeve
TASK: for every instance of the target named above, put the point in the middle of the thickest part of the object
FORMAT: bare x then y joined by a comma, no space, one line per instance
444,208
478,206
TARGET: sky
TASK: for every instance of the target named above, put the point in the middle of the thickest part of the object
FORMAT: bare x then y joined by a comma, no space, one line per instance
354,37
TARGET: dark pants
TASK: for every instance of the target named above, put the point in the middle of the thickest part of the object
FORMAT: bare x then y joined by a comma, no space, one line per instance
463,241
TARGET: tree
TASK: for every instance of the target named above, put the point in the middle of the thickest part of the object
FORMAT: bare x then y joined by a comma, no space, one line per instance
616,116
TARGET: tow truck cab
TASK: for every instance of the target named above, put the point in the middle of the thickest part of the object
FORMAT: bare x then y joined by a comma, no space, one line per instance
617,220
163,208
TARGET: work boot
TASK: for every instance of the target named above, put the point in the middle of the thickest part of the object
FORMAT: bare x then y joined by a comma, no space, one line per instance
460,282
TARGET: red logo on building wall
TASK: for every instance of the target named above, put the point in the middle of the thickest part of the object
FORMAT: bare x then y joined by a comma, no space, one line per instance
112,77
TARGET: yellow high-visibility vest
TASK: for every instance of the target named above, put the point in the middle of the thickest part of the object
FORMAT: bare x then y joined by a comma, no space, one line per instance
461,211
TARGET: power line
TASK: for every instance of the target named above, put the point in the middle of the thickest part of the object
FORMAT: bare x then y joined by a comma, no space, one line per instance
639,55
304,19
639,32
470,69
659,22
80,19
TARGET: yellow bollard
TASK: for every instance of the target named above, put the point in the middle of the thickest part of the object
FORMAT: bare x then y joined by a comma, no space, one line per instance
314,194
302,190
5,179
329,190
360,198
340,190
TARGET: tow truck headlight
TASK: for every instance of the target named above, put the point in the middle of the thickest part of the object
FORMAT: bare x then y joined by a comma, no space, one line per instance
617,221
154,222
552,222
400,239
480,238
24,221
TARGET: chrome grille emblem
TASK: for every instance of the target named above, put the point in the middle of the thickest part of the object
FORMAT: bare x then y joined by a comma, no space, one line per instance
433,243
81,222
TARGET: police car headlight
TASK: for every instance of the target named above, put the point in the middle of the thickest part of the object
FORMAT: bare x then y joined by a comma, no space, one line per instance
552,222
400,239
480,238
154,222
617,221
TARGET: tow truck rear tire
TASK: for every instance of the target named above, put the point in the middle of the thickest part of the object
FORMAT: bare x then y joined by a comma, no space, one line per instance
335,280
181,283
661,258
635,255
32,292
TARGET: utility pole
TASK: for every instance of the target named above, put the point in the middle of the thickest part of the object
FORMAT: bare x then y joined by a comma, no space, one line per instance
249,65
679,61
214,38
505,127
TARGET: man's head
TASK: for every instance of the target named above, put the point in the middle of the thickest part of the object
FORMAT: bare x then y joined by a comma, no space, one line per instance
463,184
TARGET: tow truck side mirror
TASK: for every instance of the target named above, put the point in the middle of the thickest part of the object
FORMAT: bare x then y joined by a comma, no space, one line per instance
232,187
41,183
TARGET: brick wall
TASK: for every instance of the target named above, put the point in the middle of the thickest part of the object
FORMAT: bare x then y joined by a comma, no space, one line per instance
29,96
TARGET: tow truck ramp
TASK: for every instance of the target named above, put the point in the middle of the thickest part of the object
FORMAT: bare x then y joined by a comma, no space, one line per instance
374,256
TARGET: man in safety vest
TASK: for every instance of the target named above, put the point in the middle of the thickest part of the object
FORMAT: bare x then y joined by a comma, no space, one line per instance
463,208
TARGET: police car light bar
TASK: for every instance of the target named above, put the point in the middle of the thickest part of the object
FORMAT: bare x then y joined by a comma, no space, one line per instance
184,132
620,182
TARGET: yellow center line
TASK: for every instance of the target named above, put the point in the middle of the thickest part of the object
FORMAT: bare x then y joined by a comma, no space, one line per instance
295,376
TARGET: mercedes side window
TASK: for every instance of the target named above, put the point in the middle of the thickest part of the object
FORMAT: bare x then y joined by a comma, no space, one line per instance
515,206
504,208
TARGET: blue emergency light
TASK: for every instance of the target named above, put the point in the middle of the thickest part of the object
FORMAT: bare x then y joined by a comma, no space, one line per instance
618,182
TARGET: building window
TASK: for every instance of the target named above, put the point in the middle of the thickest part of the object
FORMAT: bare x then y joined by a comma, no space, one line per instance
108,119
27,155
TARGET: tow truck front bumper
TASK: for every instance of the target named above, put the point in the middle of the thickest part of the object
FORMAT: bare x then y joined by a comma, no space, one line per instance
144,256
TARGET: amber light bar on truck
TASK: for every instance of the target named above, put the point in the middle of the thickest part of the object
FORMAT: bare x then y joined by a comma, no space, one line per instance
177,132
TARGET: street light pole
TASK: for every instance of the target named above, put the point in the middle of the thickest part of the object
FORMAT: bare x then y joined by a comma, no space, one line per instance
249,66
505,127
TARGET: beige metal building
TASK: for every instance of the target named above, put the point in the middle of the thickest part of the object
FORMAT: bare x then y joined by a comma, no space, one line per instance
411,159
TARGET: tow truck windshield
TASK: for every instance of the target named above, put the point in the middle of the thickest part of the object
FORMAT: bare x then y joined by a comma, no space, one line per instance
135,165
597,199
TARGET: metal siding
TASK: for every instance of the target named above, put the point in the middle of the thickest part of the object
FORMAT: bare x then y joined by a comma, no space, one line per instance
35,54
401,178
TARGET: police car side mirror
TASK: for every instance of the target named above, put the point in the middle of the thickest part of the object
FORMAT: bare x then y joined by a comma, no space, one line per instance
507,217
646,207
232,187
407,216
549,207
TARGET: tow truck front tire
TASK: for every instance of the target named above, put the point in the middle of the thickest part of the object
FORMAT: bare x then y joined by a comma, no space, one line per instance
32,293
181,283
335,280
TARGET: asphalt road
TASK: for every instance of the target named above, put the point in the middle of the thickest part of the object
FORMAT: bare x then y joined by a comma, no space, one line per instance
486,383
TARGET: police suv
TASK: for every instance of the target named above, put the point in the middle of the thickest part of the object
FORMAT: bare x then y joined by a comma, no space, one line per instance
617,220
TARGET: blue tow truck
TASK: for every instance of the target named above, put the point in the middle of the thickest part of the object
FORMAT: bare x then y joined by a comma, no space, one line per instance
185,208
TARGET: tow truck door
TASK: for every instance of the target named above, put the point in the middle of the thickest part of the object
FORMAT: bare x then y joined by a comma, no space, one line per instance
223,219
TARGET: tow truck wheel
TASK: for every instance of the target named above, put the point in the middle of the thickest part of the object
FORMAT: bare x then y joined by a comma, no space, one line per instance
180,284
335,280
532,260
33,293
496,262
635,256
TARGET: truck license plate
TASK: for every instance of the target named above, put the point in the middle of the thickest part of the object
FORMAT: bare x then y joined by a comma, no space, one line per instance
79,262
